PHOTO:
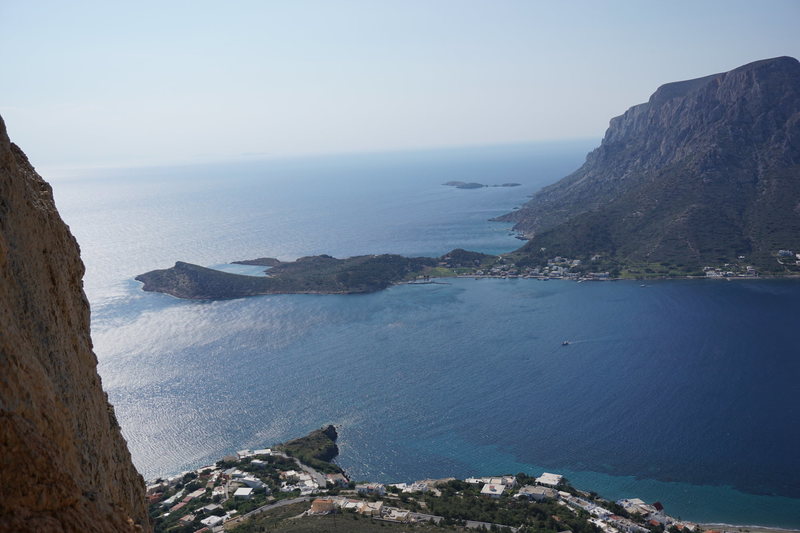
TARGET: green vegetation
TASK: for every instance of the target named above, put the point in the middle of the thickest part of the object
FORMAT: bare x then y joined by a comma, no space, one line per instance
460,258
285,519
317,449
277,481
321,274
461,501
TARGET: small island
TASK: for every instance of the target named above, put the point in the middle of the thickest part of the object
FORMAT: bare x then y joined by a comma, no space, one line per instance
474,185
320,274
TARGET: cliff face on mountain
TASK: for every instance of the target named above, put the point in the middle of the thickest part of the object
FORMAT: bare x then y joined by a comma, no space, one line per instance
65,465
705,171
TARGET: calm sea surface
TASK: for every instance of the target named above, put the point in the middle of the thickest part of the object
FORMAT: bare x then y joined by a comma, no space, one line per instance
683,392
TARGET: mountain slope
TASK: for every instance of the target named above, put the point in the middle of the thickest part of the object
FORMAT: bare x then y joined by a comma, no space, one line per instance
705,171
64,465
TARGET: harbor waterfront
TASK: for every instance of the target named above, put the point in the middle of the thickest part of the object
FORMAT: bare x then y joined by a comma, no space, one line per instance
681,391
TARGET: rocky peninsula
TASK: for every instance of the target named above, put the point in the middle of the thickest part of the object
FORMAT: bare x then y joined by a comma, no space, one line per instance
320,274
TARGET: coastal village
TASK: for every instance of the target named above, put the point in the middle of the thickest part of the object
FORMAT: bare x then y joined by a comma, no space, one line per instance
466,264
244,488
564,268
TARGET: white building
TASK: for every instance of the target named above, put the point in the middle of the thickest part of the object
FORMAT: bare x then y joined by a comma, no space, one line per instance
212,521
373,509
252,482
337,479
536,492
418,486
550,480
371,488
244,493
492,490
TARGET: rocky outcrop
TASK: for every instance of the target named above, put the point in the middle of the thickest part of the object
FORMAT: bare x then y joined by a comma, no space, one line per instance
319,274
705,171
65,465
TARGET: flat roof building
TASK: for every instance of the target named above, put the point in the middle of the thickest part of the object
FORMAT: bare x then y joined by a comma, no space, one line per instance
244,493
492,490
551,480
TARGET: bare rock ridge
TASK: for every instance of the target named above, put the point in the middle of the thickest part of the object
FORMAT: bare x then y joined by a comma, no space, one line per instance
705,171
65,465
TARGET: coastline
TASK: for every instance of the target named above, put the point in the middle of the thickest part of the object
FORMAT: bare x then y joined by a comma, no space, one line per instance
314,455
732,528
388,284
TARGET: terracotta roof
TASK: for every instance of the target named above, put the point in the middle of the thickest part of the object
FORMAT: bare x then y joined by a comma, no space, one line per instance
179,506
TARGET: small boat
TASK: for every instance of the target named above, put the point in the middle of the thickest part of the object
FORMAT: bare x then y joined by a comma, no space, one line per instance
565,343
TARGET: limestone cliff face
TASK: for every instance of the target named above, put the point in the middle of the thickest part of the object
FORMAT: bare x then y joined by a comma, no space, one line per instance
705,171
64,465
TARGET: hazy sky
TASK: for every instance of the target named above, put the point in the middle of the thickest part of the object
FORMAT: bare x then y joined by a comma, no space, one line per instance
130,83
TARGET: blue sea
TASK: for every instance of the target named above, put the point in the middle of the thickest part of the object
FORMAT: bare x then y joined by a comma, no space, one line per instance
684,392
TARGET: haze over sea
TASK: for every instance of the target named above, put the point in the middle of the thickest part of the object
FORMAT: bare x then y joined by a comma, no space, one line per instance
680,391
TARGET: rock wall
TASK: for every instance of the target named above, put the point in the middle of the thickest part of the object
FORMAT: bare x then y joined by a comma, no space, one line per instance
746,119
705,172
64,465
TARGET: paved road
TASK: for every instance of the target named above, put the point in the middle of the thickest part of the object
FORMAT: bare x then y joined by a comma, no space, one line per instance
271,506
319,478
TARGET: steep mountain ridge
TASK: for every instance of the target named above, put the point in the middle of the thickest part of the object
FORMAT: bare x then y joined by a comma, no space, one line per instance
65,465
706,170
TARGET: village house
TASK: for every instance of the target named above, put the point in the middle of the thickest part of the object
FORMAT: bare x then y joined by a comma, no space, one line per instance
396,515
371,488
549,480
417,486
373,509
244,493
493,491
537,492
322,506
337,479
636,506
210,508
187,519
253,483
212,521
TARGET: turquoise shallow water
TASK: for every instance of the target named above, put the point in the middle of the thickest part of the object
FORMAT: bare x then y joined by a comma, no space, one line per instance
683,392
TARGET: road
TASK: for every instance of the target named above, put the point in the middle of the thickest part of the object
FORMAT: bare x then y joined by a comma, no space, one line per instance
318,478
271,506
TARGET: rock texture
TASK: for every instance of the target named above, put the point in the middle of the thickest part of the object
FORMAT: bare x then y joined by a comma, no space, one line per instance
65,465
319,274
706,170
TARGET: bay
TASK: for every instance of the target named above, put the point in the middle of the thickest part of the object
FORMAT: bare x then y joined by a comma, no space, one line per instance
682,391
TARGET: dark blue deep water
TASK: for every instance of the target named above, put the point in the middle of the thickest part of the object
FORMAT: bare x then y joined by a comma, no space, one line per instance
687,392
